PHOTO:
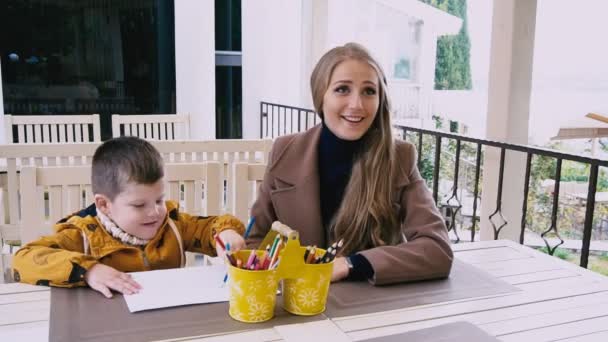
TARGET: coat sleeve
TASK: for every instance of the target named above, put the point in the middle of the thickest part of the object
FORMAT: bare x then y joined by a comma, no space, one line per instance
55,260
263,209
427,253
198,231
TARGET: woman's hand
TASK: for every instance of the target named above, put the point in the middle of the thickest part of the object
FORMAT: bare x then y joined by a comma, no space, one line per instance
231,237
102,278
340,269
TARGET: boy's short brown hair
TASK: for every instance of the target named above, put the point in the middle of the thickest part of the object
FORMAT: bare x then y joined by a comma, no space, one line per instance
121,160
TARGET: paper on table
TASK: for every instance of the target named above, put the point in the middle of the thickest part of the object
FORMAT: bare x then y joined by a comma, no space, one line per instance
178,286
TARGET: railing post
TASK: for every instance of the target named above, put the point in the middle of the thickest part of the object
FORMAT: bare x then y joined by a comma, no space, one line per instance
589,214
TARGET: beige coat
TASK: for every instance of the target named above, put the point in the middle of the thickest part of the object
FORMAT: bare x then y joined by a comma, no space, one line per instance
290,193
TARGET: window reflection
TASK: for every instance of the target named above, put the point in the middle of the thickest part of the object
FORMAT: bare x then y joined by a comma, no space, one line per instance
88,56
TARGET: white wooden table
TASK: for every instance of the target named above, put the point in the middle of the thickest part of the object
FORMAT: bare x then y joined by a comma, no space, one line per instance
558,302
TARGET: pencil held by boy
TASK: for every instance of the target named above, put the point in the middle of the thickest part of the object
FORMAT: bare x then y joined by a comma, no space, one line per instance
129,228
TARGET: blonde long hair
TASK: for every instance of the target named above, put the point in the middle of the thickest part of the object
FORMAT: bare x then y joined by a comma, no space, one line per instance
366,217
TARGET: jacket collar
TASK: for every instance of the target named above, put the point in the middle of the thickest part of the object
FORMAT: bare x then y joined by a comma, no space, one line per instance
304,152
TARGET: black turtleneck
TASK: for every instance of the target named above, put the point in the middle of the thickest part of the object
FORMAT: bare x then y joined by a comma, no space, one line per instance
336,158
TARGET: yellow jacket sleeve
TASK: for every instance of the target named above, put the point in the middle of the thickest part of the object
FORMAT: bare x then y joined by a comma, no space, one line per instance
55,260
198,231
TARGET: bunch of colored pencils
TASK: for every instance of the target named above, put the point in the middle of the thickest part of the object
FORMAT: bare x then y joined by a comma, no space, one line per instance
268,261
311,257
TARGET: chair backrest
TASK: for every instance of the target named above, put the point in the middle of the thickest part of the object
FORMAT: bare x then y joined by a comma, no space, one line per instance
15,156
195,186
52,128
226,152
64,185
152,126
246,181
69,190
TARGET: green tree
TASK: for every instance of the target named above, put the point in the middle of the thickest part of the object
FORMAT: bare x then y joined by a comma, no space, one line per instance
453,68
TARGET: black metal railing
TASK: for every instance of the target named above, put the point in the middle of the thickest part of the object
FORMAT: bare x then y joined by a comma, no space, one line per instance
277,120
270,118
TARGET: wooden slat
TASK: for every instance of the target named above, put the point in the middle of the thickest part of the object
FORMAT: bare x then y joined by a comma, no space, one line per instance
170,131
74,199
539,276
34,331
21,133
85,133
212,186
492,319
37,134
56,208
78,133
29,134
13,192
46,133
22,288
61,133
163,131
189,198
562,331
22,297
601,336
70,129
173,190
492,255
554,317
252,335
25,312
155,131
534,292
54,137
514,267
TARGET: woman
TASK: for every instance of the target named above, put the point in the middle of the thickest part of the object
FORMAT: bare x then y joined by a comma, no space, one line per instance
349,179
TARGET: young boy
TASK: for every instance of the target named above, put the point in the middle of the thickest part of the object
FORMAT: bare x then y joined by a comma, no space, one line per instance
129,228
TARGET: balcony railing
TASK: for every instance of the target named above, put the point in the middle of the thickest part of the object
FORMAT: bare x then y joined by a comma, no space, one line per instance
276,120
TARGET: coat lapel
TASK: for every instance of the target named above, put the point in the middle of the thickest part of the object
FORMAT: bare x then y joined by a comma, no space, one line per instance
297,183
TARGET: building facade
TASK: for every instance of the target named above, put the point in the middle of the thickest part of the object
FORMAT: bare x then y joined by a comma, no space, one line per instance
212,60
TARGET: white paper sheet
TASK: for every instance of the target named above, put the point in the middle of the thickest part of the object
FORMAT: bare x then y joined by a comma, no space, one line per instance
178,286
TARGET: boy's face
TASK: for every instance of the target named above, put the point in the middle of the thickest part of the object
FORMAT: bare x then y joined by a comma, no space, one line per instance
138,210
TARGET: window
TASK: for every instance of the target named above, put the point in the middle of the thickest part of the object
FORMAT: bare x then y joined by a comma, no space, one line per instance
88,56
228,70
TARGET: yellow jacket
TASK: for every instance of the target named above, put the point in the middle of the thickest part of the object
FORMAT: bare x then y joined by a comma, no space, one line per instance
60,259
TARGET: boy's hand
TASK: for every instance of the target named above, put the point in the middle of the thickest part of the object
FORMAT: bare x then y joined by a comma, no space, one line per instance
340,270
102,278
235,240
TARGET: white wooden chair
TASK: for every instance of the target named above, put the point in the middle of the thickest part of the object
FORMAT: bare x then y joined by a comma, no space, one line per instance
152,126
246,181
13,157
226,152
52,128
66,185
69,190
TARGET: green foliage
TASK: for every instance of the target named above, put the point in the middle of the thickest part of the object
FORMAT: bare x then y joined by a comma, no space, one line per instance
453,68
563,254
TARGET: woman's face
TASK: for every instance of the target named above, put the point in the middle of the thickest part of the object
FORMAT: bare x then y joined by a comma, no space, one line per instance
351,101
